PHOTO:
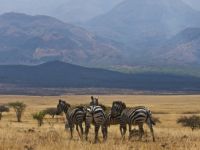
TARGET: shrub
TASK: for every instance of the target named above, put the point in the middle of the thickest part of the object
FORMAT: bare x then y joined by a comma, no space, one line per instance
39,116
193,121
19,108
3,109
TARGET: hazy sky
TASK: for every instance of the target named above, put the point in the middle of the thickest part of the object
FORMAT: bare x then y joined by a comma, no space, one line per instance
194,3
67,10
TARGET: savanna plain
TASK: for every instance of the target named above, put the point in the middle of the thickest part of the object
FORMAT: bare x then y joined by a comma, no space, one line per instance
52,135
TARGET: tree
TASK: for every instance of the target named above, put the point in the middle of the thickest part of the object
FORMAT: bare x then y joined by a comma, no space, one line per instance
19,108
3,109
39,116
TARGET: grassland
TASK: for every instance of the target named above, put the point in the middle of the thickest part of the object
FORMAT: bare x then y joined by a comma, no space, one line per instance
51,136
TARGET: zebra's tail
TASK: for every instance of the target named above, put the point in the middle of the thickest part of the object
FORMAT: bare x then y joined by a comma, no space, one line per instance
149,117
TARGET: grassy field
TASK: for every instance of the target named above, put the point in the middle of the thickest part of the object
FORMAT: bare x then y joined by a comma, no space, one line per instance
52,136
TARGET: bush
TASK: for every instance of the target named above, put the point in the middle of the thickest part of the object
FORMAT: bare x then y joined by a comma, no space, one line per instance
39,117
19,108
193,121
3,109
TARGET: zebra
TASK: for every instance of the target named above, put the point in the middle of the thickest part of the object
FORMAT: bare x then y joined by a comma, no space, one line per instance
94,101
113,120
75,116
97,116
132,116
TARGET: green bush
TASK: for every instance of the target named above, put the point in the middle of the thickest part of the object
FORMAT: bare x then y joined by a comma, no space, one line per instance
19,108
39,116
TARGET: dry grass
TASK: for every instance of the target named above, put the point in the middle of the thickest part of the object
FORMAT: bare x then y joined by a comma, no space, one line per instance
51,136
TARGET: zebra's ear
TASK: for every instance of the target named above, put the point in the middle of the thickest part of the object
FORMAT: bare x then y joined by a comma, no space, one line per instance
92,97
97,101
68,105
113,103
124,105
59,100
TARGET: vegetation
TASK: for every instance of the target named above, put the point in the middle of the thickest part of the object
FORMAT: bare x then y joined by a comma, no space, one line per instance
19,108
169,134
39,116
193,121
3,109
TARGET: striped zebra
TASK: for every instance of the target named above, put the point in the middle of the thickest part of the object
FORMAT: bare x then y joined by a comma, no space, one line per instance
75,116
94,101
132,116
113,120
96,115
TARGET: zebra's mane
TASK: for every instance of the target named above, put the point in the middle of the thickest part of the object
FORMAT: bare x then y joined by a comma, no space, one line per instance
67,104
80,107
119,103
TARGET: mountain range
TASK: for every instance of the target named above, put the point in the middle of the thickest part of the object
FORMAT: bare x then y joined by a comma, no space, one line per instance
75,11
147,35
145,23
28,39
58,74
148,28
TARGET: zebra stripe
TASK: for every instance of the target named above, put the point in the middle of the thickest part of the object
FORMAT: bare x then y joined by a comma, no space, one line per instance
113,120
96,115
75,116
132,116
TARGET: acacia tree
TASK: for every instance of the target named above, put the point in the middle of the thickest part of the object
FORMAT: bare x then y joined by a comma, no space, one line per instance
19,108
3,109
39,117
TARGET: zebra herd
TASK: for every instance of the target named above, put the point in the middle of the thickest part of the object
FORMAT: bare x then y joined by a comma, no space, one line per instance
96,115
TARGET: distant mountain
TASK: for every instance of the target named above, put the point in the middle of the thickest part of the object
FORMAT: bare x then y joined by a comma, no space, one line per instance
143,24
65,10
195,4
28,39
62,75
182,49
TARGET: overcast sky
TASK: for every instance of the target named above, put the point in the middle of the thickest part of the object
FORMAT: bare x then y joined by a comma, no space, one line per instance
194,3
67,10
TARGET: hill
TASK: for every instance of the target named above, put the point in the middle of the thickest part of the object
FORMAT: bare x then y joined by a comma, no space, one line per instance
66,10
62,75
181,50
145,22
26,39
152,31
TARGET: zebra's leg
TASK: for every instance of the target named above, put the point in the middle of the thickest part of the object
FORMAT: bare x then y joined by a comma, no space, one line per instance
81,127
71,131
149,123
123,131
129,131
141,131
87,127
96,133
104,132
78,131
